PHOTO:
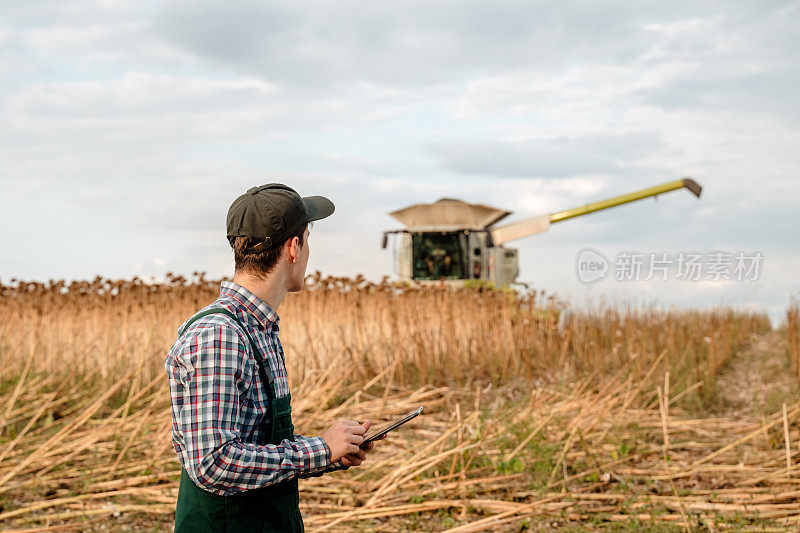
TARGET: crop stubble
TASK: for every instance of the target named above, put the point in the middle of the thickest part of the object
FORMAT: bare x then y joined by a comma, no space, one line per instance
536,412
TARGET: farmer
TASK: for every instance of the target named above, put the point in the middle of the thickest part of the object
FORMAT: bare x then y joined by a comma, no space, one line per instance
231,407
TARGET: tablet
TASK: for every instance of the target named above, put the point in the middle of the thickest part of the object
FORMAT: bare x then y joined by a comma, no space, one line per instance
394,425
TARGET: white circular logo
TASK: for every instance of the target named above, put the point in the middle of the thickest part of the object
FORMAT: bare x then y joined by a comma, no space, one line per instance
591,266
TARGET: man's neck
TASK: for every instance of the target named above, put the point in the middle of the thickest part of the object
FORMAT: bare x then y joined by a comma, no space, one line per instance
271,290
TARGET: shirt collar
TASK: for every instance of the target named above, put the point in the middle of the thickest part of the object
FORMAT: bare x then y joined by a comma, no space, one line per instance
257,308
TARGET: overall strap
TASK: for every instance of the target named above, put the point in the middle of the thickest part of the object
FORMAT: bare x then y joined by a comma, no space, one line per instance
266,377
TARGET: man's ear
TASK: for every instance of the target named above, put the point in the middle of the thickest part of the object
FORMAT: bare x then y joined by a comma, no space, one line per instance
292,243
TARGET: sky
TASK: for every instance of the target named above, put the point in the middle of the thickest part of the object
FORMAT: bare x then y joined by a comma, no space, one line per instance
128,127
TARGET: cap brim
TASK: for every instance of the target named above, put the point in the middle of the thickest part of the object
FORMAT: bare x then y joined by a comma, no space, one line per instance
317,207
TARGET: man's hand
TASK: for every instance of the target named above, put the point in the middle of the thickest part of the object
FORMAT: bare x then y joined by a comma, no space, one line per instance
355,459
344,438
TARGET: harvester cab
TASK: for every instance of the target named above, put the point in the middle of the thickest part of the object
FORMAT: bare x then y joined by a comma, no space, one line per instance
455,241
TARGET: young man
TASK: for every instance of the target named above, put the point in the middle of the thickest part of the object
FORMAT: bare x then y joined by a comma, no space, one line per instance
231,409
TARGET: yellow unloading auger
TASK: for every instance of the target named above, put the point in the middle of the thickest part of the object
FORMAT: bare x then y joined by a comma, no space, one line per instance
534,225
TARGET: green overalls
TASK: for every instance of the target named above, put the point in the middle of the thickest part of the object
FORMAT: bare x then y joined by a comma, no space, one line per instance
273,508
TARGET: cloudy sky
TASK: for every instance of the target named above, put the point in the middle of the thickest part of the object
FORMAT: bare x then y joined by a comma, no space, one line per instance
128,127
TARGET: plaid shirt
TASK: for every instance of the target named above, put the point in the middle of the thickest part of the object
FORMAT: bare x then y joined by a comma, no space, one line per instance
220,406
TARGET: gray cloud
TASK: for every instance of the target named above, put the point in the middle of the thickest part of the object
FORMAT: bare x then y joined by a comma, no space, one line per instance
314,45
406,43
548,158
771,93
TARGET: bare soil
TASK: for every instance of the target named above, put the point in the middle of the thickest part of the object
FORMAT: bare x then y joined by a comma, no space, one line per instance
757,380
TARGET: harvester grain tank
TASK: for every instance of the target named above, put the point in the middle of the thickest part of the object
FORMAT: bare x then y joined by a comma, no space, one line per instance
456,241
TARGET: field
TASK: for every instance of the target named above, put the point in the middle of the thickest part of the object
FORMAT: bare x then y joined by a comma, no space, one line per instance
538,415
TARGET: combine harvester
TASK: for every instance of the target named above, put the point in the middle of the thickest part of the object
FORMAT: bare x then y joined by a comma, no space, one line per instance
456,241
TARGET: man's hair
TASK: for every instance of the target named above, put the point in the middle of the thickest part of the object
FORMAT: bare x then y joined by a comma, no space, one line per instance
259,264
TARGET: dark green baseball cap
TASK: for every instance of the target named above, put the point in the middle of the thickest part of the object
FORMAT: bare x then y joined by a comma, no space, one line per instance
272,213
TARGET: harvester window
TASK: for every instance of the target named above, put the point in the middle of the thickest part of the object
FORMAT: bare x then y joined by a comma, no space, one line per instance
437,255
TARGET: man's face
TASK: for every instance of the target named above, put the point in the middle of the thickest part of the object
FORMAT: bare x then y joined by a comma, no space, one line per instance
297,270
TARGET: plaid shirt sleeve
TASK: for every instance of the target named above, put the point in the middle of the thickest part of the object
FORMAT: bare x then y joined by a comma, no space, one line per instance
208,378
317,472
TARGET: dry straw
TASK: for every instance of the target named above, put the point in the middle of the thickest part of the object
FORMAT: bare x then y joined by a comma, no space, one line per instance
533,410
